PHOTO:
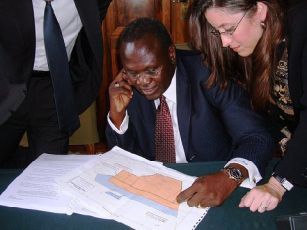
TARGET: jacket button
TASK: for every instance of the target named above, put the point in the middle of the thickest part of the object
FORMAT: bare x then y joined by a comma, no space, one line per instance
192,157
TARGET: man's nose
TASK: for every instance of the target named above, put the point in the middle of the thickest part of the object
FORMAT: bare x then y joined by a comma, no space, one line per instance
143,79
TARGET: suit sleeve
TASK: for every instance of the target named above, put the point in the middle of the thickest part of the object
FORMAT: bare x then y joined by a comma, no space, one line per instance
250,137
124,140
127,141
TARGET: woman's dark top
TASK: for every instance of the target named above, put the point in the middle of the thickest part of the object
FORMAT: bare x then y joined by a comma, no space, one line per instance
293,165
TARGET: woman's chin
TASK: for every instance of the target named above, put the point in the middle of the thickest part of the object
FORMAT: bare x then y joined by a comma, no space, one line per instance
243,52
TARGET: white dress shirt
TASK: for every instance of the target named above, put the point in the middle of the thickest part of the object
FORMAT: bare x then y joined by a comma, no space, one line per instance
171,99
70,23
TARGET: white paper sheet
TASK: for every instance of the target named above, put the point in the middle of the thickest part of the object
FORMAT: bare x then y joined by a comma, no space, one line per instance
36,188
90,186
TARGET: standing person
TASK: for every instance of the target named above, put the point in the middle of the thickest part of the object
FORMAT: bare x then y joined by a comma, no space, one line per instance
256,40
198,124
43,90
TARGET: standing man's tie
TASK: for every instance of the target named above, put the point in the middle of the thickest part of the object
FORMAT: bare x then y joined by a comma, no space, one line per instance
59,71
164,134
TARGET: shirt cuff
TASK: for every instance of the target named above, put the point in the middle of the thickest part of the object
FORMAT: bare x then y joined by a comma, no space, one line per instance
253,172
123,127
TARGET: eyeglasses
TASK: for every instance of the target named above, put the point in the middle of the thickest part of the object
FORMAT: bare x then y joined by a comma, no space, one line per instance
228,32
149,73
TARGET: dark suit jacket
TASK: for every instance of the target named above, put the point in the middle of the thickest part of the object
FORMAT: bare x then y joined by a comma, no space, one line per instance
294,164
213,124
17,50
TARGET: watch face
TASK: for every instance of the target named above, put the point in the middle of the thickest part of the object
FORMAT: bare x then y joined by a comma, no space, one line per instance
234,174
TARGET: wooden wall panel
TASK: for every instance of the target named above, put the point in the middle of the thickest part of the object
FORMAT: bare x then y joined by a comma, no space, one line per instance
128,10
179,21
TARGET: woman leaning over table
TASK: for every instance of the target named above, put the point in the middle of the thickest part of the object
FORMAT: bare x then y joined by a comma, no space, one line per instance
265,49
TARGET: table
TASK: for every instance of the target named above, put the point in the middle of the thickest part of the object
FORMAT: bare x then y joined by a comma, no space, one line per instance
228,216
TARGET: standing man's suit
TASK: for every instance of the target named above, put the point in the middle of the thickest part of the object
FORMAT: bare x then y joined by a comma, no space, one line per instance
214,124
17,52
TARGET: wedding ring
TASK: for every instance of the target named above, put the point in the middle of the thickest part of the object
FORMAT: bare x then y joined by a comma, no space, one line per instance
116,84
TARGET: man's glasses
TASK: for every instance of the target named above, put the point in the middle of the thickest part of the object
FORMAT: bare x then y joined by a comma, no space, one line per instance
228,32
149,73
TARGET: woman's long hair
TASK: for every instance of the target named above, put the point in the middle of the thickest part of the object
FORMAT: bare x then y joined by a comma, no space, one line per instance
255,71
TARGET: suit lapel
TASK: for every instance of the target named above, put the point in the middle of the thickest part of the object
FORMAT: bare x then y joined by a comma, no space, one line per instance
183,105
149,117
143,112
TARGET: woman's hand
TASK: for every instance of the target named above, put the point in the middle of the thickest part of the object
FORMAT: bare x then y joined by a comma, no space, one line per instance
263,197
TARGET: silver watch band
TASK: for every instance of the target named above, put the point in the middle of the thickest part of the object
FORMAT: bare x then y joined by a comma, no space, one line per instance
283,181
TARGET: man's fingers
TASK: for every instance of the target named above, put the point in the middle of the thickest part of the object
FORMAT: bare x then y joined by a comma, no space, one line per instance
122,84
195,200
120,88
186,194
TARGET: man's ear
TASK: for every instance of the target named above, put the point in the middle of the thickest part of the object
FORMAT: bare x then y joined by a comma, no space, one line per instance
262,10
172,53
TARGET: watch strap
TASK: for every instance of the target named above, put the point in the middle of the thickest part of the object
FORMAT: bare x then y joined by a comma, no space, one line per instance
283,181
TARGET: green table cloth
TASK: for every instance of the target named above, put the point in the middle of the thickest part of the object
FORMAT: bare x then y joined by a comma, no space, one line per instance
228,216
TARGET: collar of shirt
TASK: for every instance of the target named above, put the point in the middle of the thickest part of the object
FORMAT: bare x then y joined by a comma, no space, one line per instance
170,93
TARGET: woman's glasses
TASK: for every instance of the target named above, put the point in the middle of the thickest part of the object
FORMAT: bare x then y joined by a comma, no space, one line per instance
228,32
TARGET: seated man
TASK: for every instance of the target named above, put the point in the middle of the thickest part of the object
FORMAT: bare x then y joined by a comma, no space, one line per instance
205,124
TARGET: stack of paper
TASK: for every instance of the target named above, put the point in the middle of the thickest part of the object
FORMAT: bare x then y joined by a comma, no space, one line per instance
36,188
115,185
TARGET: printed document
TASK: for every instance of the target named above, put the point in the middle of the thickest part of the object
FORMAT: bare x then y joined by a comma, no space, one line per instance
36,188
132,190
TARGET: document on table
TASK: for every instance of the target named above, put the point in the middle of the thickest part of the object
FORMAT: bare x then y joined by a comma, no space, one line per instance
134,191
36,188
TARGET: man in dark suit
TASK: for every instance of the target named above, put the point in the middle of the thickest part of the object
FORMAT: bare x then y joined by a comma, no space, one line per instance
26,102
209,124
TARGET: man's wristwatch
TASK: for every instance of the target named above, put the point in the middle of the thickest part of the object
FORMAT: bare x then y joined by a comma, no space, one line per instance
234,174
283,181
